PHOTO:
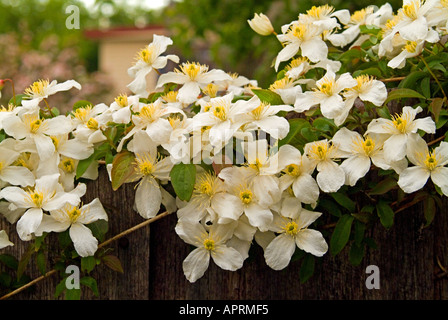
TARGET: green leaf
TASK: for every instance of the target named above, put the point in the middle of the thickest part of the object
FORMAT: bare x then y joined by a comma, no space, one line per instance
73,294
268,96
122,169
307,268
359,232
324,124
91,283
383,186
81,104
113,263
99,229
402,94
295,127
9,260
436,107
88,264
412,79
5,280
100,152
183,178
425,85
356,254
330,207
24,260
385,213
60,287
341,234
41,262
429,210
18,99
344,201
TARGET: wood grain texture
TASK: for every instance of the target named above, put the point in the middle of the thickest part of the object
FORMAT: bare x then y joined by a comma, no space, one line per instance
408,256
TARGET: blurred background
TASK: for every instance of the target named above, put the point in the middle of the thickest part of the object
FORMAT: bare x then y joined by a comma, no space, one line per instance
36,44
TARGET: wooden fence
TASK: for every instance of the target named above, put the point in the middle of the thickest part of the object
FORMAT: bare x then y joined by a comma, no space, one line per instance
411,261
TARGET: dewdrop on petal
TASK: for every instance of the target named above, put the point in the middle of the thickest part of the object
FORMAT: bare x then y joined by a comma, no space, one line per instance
261,24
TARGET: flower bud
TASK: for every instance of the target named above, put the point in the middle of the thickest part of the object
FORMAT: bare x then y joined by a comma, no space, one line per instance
2,84
261,24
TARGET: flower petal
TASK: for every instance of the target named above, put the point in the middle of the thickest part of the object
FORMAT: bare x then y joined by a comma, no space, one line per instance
83,240
279,252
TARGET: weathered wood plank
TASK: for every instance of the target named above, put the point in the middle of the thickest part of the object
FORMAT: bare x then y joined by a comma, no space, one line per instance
152,261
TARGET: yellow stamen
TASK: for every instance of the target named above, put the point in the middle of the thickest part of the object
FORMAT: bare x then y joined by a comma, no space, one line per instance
411,46
122,100
205,184
211,90
291,228
192,70
292,170
145,55
37,88
145,164
431,161
83,113
170,97
68,165
320,11
92,124
209,244
246,196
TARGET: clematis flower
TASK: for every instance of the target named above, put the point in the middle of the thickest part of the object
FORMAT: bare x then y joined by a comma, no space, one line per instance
122,106
152,119
31,126
148,59
209,244
294,233
325,16
11,173
261,24
399,129
193,77
41,89
427,164
297,172
367,89
75,219
326,95
264,116
223,117
305,37
360,152
150,170
4,240
322,155
47,194
238,183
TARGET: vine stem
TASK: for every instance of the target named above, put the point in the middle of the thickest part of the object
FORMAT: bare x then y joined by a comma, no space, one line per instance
105,243
433,75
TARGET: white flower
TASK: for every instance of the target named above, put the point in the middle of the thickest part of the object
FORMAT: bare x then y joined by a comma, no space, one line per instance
305,37
209,200
90,122
294,233
367,89
75,218
326,94
151,119
238,183
41,89
211,244
261,24
148,59
427,164
47,194
193,77
322,155
325,16
413,24
4,240
399,129
31,126
11,173
264,116
297,173
223,117
121,108
410,49
360,152
150,170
